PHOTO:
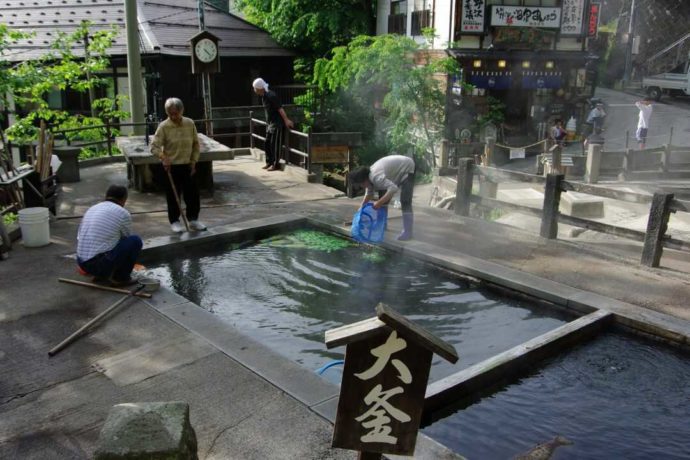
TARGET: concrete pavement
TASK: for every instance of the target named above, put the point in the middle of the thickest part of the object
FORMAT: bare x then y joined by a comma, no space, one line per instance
54,408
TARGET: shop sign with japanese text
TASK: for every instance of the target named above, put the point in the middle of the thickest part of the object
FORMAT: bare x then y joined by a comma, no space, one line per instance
593,23
473,15
572,14
382,394
525,16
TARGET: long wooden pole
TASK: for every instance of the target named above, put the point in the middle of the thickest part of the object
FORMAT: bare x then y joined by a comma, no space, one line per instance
177,199
103,288
82,329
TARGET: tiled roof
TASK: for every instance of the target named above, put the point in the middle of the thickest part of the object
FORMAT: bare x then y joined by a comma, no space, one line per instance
165,27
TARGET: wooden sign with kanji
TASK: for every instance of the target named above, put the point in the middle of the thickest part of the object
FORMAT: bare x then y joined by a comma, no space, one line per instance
387,363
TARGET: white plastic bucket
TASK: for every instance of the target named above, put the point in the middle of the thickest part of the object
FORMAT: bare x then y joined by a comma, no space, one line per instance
34,225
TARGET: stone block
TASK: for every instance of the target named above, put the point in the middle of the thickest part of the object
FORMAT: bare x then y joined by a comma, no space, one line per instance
581,205
147,430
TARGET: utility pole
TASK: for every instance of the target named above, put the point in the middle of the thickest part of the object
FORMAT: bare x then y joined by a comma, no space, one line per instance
88,72
136,92
629,46
205,79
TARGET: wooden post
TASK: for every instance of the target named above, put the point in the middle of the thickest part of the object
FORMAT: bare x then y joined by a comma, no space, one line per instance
489,151
251,129
666,158
670,136
593,163
627,139
308,159
556,159
286,147
445,149
463,190
109,137
657,224
552,199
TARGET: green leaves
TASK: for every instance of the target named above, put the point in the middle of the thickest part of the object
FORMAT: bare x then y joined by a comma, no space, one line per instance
403,79
30,82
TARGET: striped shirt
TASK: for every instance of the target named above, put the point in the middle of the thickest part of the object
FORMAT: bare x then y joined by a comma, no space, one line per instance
180,142
103,226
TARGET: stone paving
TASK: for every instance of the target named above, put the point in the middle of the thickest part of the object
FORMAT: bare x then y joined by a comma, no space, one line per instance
55,407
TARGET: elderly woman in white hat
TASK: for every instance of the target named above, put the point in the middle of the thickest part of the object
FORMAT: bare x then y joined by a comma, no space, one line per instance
276,121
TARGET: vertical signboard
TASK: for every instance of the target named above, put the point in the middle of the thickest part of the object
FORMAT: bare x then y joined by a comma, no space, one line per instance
572,16
473,15
593,23
382,395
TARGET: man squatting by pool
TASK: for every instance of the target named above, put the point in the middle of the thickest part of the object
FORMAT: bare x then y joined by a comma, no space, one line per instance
389,174
106,247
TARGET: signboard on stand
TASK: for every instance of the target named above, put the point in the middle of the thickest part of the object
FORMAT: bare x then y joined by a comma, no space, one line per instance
473,16
593,23
387,363
525,16
573,12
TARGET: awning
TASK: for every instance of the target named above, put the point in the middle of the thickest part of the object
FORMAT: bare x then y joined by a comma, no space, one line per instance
522,55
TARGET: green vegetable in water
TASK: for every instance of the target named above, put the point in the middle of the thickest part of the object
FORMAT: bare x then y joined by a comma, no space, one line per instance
375,255
309,239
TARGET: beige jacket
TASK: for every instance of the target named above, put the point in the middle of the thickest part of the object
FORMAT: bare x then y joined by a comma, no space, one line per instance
180,143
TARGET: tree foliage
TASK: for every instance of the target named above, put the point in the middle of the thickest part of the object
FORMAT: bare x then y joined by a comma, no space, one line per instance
310,27
29,83
402,79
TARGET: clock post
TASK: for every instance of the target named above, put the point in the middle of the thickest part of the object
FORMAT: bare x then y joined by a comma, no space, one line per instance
205,61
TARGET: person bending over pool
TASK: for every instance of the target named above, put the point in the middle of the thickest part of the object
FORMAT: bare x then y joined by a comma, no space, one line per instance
388,175
106,247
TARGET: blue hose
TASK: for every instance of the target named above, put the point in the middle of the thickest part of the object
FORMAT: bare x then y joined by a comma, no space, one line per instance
325,367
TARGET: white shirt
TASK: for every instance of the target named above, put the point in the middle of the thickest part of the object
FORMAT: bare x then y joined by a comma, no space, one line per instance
103,226
645,114
388,173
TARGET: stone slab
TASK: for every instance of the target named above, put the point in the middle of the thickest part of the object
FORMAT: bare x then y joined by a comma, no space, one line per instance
581,205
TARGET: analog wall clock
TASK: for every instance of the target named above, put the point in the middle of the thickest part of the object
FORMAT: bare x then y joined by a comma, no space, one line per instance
205,50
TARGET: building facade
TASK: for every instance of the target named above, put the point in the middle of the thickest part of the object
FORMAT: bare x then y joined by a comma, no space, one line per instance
527,58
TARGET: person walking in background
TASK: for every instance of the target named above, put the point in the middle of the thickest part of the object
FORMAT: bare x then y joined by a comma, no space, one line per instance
389,174
645,106
558,133
106,247
596,117
176,143
276,121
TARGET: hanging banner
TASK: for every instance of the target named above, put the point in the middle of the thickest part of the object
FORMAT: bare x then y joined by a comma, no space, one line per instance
572,12
541,80
525,16
473,15
593,23
491,80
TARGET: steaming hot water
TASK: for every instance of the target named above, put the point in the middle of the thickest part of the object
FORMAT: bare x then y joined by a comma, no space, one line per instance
286,292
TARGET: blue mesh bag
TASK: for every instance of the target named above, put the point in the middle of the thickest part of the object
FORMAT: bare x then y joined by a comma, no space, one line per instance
369,224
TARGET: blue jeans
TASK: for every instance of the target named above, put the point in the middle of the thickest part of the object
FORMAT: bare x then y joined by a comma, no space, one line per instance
116,264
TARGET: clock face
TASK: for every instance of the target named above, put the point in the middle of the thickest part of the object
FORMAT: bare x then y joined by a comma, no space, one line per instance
205,50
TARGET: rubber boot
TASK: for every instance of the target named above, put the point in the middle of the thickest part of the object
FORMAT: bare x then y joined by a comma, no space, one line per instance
408,221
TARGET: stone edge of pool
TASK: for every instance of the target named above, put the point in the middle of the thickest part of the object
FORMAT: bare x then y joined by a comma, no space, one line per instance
595,313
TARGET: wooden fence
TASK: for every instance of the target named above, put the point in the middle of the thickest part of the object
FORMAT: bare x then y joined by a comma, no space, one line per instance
654,238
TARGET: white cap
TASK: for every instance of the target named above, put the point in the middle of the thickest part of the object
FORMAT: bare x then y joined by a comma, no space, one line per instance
259,83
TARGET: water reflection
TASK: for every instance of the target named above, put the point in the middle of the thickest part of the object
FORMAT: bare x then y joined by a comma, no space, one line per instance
288,295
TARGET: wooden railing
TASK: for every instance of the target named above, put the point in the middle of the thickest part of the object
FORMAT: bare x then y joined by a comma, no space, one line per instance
654,238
